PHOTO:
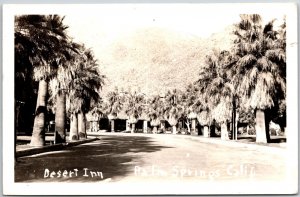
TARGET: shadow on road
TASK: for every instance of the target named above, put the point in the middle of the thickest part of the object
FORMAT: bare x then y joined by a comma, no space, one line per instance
113,157
273,139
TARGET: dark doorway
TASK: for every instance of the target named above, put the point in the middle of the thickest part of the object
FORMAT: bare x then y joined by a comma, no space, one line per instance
120,125
104,124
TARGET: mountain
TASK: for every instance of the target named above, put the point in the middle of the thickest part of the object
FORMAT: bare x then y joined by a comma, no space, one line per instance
154,59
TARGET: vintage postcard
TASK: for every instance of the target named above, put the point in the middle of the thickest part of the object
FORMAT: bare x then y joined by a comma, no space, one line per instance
174,98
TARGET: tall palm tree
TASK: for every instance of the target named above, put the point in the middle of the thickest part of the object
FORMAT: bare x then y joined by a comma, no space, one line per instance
204,105
173,108
78,107
155,109
112,106
260,69
58,89
44,39
93,82
278,112
204,117
190,101
145,114
58,97
84,90
134,108
221,90
25,86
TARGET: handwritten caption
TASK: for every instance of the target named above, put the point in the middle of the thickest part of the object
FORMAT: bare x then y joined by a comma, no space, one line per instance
85,172
239,171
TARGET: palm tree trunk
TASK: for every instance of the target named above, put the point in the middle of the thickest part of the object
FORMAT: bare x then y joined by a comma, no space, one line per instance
236,125
206,131
112,125
132,127
224,131
233,131
145,126
193,129
188,127
38,133
231,128
247,129
60,119
73,127
174,129
261,127
81,125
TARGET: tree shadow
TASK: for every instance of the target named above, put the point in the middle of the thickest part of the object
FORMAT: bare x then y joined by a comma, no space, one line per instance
273,139
114,156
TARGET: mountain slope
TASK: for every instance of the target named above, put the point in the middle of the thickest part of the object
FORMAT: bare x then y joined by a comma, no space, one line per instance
156,59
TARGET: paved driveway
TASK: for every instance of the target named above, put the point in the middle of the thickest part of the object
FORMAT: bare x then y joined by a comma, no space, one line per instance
117,158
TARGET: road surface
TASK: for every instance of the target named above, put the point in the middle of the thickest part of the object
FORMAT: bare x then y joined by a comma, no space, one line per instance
117,158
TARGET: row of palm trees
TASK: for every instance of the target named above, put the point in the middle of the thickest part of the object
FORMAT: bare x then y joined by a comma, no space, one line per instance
249,79
63,68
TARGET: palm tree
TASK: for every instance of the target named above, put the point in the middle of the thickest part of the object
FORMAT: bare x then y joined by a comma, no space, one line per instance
92,83
134,108
260,69
112,106
95,114
203,104
190,101
82,125
77,107
58,96
58,89
278,112
145,114
203,117
155,108
44,39
25,87
72,106
173,108
221,90
84,90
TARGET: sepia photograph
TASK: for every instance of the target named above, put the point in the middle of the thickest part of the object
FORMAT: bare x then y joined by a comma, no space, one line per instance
187,98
